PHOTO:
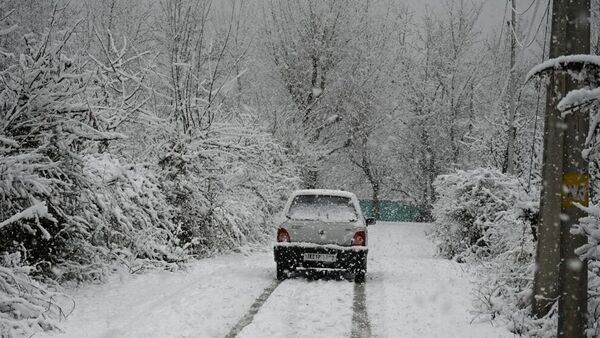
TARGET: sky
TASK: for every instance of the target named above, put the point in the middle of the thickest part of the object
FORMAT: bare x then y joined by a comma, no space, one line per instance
493,10
493,15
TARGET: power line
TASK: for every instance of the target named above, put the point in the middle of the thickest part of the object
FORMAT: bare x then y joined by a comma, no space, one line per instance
526,10
502,24
537,31
547,14
537,106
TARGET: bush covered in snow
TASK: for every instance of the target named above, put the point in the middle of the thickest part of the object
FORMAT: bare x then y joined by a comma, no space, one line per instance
59,218
225,185
590,227
75,199
131,215
26,305
485,217
475,212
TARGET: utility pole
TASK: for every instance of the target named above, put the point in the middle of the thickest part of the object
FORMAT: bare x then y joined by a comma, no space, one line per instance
512,89
560,274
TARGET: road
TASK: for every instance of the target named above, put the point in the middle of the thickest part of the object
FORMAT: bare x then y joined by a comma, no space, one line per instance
408,293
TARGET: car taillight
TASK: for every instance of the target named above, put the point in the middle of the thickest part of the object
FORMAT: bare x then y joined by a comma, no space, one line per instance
359,239
282,235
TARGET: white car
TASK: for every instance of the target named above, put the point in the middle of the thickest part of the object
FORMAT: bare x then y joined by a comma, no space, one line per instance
322,229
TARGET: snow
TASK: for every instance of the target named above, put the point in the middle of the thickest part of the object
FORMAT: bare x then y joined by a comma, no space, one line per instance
323,208
409,293
332,118
578,97
205,301
326,246
329,213
303,308
9,142
325,192
316,91
560,61
36,211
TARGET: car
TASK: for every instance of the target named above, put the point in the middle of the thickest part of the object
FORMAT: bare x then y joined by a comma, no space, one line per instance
324,230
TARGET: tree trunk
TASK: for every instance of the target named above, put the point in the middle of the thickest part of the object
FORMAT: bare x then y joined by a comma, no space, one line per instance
376,201
509,166
311,178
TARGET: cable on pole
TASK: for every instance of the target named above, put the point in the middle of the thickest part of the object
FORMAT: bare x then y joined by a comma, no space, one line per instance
537,106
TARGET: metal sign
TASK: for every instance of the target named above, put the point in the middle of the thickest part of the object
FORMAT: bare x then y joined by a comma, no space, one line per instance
575,189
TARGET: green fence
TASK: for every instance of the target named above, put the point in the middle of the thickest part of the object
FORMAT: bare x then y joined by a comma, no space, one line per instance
391,211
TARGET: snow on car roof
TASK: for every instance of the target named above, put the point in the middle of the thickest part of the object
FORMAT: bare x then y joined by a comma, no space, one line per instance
326,192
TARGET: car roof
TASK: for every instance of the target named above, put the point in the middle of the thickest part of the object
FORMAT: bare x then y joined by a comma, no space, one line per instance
325,192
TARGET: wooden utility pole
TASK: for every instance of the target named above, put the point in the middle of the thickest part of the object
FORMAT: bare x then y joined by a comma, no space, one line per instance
560,274
512,89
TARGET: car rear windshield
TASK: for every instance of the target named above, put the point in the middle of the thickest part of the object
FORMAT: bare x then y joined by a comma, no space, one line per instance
322,208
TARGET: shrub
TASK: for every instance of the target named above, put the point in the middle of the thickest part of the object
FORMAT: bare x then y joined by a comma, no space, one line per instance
590,227
225,185
469,206
487,218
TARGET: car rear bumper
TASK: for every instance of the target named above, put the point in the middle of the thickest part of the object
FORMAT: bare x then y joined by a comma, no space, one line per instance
347,258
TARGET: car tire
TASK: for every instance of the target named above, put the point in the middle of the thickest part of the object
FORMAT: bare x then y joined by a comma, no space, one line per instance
281,272
360,276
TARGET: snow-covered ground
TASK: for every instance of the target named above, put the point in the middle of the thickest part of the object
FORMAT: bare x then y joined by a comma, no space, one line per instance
205,301
409,293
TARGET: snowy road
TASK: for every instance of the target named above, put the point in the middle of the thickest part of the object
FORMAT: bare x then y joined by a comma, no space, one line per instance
408,293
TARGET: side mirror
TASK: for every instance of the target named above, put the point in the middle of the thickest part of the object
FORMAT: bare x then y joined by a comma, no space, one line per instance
370,221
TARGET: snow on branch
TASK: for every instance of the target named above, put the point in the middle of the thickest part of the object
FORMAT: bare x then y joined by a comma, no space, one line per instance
589,227
36,211
566,62
92,134
8,30
578,97
9,142
27,306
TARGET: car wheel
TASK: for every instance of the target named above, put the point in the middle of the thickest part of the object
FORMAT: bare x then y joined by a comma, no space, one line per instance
281,272
360,276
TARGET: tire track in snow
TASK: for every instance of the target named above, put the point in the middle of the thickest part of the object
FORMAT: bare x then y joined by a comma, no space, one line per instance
249,316
361,328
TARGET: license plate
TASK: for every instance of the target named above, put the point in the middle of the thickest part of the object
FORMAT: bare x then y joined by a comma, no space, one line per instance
319,257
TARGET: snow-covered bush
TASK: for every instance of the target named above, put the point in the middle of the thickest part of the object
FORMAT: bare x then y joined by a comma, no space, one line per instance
226,183
469,206
486,218
26,305
43,124
131,216
63,216
74,196
590,227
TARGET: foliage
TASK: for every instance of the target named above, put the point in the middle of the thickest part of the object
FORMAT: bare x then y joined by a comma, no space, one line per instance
141,132
225,185
25,305
41,180
486,218
473,210
590,227
105,161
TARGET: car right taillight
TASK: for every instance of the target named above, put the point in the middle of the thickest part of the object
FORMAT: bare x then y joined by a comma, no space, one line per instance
282,235
359,239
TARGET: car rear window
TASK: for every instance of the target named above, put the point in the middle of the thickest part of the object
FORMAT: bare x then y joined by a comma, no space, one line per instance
322,208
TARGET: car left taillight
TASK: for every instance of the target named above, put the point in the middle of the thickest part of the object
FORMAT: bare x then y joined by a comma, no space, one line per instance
282,235
359,239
